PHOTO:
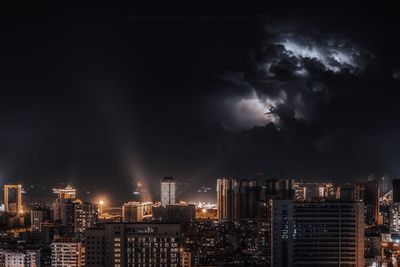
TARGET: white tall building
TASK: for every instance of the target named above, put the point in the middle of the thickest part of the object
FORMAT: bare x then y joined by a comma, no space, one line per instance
66,253
26,258
395,218
167,191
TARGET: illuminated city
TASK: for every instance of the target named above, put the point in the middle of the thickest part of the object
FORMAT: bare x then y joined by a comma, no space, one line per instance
269,221
262,135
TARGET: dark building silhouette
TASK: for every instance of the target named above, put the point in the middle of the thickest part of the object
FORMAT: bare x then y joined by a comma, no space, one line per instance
396,190
371,200
226,198
279,189
178,213
238,199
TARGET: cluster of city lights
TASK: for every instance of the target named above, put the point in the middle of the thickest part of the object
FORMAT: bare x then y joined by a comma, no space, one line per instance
204,205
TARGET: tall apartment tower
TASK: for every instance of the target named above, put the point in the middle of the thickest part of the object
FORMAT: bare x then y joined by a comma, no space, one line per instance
371,200
396,190
250,196
227,190
238,199
85,215
168,188
13,198
317,233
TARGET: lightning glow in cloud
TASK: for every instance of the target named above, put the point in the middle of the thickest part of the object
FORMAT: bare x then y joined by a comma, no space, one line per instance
332,58
256,110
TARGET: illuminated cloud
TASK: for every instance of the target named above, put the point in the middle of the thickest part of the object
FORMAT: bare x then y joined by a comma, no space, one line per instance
333,55
254,110
285,81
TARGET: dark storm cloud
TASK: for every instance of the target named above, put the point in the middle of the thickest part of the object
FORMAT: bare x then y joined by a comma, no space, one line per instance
290,74
308,102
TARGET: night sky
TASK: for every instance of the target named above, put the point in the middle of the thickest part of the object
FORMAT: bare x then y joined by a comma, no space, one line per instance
103,97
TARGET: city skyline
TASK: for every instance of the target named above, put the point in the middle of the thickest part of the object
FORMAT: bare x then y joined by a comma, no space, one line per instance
260,135
264,222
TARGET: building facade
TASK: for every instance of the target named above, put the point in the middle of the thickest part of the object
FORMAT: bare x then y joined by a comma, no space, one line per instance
394,215
39,216
86,216
317,233
136,211
133,244
20,258
13,198
178,213
65,193
168,189
67,252
226,191
238,199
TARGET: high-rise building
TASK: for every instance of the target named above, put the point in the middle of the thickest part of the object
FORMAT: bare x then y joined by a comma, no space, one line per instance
396,190
239,199
384,184
227,198
279,189
65,193
20,258
282,233
67,252
168,189
372,246
371,200
86,216
352,192
38,217
13,198
64,212
136,211
395,218
317,233
72,213
249,196
64,206
133,244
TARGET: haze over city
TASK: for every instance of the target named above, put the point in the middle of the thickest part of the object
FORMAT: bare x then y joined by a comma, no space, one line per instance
105,97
